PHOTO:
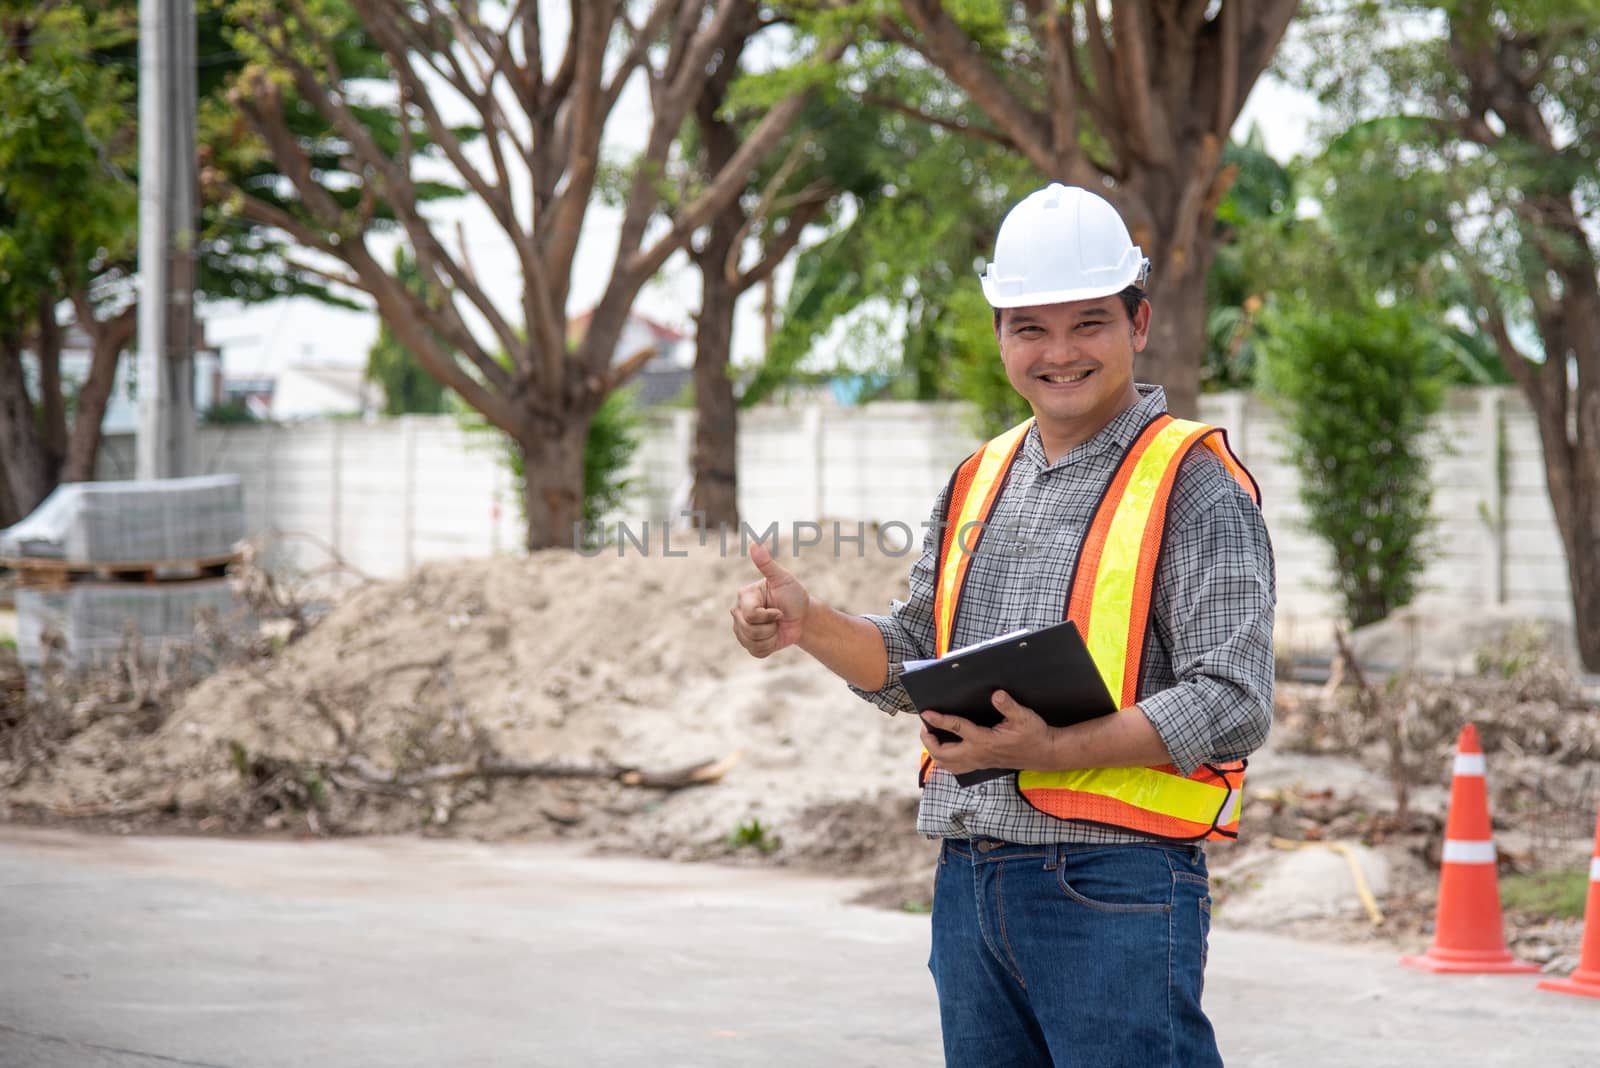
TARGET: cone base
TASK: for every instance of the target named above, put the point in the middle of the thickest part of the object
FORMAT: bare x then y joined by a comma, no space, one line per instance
1583,984
1489,964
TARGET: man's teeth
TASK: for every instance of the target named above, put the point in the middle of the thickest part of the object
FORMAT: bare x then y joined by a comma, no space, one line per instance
1074,377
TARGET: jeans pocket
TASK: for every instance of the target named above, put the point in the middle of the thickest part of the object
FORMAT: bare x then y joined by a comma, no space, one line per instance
1081,898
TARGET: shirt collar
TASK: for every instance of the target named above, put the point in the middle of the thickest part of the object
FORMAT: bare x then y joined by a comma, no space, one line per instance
1116,436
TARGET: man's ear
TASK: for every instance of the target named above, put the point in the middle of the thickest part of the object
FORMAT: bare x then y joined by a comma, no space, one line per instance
1139,329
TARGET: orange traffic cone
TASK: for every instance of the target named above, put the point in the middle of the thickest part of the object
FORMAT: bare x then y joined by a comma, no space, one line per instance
1467,935
1586,980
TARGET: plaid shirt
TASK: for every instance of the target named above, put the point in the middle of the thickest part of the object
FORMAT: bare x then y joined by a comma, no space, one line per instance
1208,665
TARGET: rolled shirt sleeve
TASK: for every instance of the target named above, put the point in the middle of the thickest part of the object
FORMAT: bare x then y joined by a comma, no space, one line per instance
1213,611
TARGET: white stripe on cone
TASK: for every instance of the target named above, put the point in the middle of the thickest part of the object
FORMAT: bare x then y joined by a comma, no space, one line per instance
1469,764
1594,870
1468,852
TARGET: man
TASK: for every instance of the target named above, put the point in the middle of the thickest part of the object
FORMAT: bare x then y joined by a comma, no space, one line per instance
1071,906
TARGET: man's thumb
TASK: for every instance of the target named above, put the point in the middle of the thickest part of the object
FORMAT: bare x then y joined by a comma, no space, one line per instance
765,563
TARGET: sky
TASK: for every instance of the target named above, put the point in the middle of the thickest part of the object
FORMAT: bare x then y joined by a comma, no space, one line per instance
264,339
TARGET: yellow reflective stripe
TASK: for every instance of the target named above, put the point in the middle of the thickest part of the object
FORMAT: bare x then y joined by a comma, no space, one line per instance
1112,613
1153,791
990,468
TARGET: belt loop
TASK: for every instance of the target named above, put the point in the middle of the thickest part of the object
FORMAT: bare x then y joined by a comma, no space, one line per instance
1052,856
944,851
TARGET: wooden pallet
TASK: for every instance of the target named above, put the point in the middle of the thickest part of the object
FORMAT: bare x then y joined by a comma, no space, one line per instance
37,571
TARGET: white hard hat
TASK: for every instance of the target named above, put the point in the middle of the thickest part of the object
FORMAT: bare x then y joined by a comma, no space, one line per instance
1062,243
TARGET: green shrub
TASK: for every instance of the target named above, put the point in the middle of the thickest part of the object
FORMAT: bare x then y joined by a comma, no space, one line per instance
1358,386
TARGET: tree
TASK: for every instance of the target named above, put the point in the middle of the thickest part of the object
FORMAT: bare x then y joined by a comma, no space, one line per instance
69,226
68,211
1137,108
789,193
535,165
1359,383
1344,252
1497,121
921,204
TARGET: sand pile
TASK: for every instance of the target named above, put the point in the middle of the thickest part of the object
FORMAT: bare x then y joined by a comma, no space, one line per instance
554,657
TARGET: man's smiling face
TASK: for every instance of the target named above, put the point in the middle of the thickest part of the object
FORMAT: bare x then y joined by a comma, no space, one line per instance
1073,363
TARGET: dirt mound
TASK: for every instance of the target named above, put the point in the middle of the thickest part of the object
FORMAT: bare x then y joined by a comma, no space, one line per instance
552,659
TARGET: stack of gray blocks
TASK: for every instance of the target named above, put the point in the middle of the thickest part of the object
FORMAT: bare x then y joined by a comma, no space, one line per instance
93,620
84,524
132,522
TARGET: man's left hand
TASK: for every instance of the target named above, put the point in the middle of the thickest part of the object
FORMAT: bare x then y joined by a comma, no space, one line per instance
1020,740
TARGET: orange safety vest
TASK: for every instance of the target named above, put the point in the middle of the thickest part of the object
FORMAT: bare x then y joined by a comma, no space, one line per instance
1111,591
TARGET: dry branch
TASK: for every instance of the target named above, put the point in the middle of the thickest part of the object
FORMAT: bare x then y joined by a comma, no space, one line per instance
702,773
1372,706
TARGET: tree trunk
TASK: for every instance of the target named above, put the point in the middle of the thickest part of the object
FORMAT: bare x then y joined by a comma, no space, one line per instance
714,458
29,468
553,481
1567,315
52,398
1177,325
8,507
1583,548
716,434
1569,415
1175,231
108,339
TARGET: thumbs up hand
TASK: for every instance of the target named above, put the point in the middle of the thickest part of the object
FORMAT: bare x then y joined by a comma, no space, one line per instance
768,614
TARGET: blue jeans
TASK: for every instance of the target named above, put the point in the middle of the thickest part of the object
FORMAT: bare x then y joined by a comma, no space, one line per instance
1077,955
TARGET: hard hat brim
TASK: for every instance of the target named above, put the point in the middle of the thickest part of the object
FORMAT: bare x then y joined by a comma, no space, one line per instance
999,294
999,299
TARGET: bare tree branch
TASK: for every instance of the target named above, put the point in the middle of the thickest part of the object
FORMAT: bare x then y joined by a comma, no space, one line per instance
763,208
626,368
1056,28
1268,22
1151,139
1228,19
727,183
635,56
588,119
946,45
1494,321
779,248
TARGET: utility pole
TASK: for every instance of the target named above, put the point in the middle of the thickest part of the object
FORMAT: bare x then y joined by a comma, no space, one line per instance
168,219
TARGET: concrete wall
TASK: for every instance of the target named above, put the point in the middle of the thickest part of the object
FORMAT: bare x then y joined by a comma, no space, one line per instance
386,496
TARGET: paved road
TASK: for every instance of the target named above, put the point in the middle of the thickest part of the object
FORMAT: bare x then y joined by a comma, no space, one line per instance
149,952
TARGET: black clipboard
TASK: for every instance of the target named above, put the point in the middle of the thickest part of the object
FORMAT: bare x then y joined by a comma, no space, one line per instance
1048,670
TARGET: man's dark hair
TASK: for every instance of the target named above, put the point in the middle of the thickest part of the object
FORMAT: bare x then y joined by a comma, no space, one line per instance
1130,297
